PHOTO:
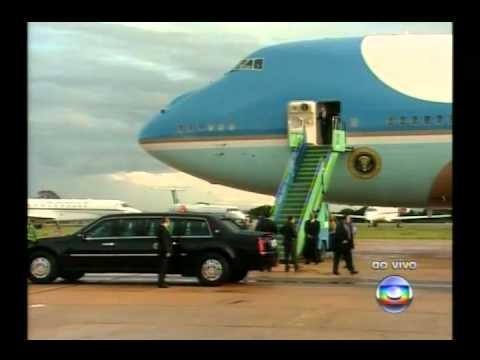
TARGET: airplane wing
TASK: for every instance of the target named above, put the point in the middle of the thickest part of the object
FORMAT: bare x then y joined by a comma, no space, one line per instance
43,214
420,217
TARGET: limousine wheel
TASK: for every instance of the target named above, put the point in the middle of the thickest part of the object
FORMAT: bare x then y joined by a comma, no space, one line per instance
43,268
213,270
72,276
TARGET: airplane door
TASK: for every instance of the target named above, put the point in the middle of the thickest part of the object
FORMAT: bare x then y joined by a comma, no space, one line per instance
302,124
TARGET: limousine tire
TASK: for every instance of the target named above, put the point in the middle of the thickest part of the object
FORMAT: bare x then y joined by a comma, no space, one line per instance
72,276
213,270
42,268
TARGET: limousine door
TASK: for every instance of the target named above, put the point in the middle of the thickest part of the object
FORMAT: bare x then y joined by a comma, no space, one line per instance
116,245
134,248
91,251
189,237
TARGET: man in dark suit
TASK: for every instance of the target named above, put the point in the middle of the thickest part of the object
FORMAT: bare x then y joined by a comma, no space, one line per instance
312,230
289,243
344,244
164,251
324,119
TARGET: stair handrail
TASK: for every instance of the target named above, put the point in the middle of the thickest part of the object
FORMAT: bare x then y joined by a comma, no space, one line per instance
308,205
299,158
288,177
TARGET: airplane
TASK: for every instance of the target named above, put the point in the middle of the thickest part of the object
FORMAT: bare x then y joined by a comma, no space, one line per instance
59,210
232,212
393,94
374,215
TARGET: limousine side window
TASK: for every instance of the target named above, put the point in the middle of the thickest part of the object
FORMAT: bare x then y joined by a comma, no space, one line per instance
103,229
190,227
154,224
152,228
119,228
131,228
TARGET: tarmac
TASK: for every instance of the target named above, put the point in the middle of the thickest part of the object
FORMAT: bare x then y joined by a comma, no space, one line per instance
310,304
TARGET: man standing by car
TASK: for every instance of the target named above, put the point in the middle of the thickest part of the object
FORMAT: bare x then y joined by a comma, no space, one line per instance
164,251
312,230
289,243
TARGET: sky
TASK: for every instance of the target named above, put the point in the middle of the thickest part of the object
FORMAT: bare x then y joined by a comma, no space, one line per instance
93,86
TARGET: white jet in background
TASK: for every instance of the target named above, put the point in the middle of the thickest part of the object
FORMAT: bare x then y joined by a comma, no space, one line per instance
59,210
374,215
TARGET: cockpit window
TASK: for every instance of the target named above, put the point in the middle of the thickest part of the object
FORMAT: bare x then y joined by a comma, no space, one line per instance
125,205
246,64
249,64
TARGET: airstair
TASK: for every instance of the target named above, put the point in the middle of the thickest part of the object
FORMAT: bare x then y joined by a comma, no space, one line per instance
306,180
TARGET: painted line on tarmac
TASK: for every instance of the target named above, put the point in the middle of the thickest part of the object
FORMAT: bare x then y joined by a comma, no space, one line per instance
50,288
36,306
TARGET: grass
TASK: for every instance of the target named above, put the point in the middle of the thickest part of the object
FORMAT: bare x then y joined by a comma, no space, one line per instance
381,232
406,231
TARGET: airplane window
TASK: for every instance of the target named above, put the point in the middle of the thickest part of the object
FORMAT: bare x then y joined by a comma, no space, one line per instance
202,127
427,120
220,127
211,127
402,120
249,64
391,121
179,129
439,119
258,64
450,119
231,126
245,64
190,128
414,120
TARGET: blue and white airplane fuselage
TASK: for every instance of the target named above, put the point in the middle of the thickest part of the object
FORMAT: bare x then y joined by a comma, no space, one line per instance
395,94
